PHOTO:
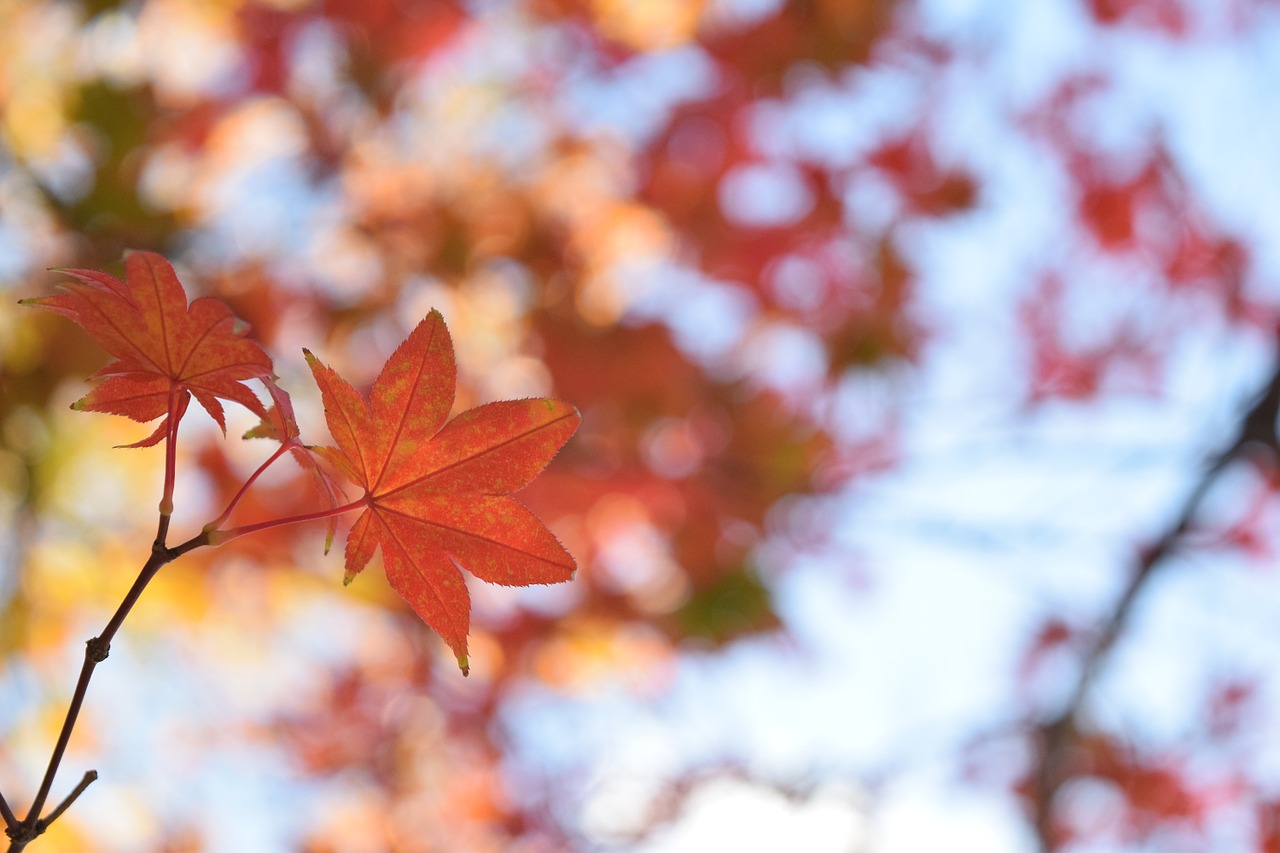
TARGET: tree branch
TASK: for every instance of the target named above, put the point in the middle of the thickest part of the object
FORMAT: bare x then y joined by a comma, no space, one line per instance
1257,430
89,778
23,832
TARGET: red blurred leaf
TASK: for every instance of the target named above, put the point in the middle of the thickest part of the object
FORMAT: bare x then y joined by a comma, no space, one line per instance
387,31
1108,210
264,34
1118,356
165,350
828,33
437,494
1231,708
1054,636
1268,816
1166,16
927,187
1158,791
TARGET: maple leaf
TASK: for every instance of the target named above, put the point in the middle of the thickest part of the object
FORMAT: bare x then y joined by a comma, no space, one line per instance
165,350
437,495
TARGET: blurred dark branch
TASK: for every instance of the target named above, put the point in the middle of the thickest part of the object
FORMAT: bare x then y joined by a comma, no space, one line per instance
1256,433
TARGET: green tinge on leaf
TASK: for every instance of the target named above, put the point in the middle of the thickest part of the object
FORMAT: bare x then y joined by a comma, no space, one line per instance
464,664
347,577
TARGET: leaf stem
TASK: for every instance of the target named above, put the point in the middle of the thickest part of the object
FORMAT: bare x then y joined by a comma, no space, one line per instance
177,407
217,537
226,513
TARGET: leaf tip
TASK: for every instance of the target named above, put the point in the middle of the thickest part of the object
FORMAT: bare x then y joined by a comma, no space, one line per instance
347,577
464,664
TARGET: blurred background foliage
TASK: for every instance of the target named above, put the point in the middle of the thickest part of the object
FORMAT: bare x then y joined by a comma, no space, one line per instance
707,224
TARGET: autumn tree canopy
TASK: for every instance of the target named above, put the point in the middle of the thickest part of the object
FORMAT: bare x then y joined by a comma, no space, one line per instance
924,482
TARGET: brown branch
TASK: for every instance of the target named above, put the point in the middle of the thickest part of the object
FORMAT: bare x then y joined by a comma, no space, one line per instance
10,819
23,832
1257,430
89,779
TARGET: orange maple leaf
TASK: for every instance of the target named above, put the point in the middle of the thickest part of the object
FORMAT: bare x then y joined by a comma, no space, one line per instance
165,350
437,495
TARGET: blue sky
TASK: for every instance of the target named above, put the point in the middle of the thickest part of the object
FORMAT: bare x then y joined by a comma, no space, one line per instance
906,633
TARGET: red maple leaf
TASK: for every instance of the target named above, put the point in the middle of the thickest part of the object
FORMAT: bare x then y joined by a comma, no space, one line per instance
165,350
437,495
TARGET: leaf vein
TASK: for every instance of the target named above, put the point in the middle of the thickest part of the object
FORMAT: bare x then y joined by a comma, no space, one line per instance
471,458
428,522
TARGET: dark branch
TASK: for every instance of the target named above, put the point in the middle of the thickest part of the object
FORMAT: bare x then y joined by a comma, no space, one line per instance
89,779
23,833
95,652
1257,431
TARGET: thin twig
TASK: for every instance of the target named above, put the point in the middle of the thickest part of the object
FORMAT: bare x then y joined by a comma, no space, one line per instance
89,778
10,819
22,834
